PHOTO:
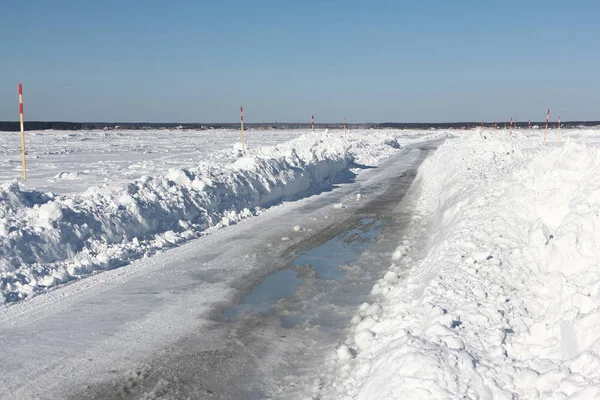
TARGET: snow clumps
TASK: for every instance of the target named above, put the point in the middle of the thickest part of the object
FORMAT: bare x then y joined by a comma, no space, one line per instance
497,296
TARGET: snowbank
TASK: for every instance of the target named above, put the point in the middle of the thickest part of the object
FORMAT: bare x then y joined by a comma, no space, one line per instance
501,295
47,239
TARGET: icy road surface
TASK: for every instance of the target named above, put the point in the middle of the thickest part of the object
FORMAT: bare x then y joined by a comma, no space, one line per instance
183,324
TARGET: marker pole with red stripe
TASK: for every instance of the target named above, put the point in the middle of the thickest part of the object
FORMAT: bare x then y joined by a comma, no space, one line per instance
312,124
242,124
23,164
546,131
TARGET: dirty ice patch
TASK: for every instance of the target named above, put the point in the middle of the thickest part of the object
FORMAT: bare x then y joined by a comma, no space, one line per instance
47,239
497,294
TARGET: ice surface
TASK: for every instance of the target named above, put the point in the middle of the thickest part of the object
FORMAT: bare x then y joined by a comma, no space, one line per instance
320,262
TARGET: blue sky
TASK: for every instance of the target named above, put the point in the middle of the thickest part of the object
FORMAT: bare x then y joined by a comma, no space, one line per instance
368,61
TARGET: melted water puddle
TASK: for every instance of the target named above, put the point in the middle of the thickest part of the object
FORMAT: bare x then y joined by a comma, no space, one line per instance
322,262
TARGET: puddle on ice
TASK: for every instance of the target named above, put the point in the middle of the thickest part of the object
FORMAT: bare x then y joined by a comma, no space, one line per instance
322,262
342,249
275,287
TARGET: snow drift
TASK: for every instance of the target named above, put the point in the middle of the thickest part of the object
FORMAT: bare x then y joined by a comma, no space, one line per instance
47,239
501,295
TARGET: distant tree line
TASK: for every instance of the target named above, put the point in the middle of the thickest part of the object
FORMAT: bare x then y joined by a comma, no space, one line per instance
74,126
40,125
61,125
500,124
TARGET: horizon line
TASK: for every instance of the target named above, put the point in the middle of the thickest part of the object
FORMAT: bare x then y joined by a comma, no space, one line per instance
294,123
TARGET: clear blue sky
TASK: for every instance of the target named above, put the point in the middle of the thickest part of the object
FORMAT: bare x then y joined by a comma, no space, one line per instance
369,61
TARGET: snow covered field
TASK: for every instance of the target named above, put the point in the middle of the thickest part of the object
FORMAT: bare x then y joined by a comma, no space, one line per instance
494,291
72,161
96,200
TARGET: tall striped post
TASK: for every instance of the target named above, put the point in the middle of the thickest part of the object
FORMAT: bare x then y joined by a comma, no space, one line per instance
546,131
23,164
312,124
242,124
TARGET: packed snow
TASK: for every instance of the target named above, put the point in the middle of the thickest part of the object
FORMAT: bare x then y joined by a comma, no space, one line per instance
48,238
494,289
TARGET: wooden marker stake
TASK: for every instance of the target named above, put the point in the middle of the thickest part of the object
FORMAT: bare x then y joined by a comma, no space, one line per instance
23,163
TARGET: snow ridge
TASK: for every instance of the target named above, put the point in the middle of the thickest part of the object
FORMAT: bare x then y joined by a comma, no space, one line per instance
504,300
47,239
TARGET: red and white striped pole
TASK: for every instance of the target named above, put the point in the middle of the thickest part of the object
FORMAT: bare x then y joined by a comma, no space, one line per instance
312,124
546,131
23,164
242,124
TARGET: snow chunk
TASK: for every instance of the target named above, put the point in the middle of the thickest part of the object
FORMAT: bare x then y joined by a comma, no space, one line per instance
364,339
344,353
390,276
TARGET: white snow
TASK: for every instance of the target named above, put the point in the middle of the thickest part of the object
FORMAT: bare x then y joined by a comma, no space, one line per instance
164,188
72,161
344,353
494,291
